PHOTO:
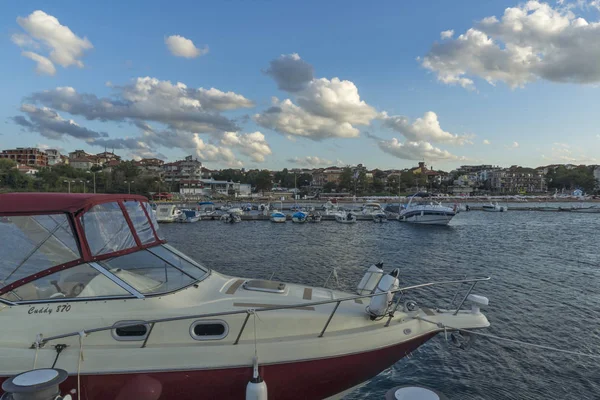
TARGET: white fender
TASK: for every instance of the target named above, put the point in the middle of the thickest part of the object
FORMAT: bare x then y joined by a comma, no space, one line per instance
379,304
369,280
256,390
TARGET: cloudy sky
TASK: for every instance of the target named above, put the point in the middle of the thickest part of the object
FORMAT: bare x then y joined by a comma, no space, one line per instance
274,84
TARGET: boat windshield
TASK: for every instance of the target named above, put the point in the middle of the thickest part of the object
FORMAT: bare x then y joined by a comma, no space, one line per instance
34,243
158,269
155,270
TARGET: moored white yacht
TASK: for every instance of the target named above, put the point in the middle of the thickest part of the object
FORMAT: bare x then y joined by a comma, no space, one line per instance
344,217
330,208
494,207
207,209
88,285
425,212
371,209
167,213
189,216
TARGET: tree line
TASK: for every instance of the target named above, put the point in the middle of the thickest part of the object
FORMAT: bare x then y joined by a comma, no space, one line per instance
127,177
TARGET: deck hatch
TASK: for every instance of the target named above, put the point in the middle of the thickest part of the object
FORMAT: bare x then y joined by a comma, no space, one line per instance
261,285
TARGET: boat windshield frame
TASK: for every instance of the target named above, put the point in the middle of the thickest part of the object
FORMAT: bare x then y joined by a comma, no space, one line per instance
139,222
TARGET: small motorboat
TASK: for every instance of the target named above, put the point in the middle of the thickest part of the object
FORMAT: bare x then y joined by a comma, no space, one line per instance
371,209
231,218
277,216
207,209
494,207
379,217
345,218
189,216
167,213
330,208
314,217
299,217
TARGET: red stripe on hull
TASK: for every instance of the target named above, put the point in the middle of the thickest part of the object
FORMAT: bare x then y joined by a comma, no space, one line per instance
315,379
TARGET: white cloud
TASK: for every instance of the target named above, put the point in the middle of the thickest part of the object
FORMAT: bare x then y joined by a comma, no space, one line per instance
150,99
291,73
336,99
181,113
514,145
416,150
325,108
426,128
447,34
287,118
529,42
43,30
253,144
23,40
313,161
486,141
210,152
50,124
564,153
183,47
44,66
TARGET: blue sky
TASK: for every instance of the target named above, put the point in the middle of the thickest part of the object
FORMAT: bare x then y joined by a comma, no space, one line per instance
526,81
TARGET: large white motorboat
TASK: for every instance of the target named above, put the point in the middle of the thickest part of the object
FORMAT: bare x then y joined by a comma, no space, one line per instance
344,217
167,213
189,216
330,208
494,207
371,209
207,209
89,285
425,212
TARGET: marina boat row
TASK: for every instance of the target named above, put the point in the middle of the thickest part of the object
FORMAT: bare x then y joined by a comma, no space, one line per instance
89,285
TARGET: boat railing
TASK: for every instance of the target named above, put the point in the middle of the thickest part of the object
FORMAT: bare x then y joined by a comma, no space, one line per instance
398,293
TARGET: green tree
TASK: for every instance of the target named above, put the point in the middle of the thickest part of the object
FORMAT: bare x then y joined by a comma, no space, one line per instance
263,181
346,180
329,187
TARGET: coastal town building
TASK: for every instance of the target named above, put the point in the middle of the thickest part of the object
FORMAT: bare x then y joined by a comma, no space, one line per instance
83,163
31,156
150,167
211,187
106,157
54,156
26,169
326,175
518,180
189,168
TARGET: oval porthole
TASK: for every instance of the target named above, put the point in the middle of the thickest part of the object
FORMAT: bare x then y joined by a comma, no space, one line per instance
209,330
130,332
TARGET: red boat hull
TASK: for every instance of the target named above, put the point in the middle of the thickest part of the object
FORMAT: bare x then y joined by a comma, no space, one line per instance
314,379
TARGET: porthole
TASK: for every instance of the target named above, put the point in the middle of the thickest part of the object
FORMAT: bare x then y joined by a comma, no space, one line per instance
130,332
209,330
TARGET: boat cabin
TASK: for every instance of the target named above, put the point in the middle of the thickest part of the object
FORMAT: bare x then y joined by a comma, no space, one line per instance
71,247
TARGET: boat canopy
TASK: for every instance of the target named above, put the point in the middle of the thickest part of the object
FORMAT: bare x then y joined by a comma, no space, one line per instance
43,233
206,203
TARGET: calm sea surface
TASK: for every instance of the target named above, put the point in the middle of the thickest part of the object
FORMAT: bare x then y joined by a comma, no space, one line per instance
545,271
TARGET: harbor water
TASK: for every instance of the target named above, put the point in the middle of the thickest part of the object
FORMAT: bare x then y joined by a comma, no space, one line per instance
544,290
